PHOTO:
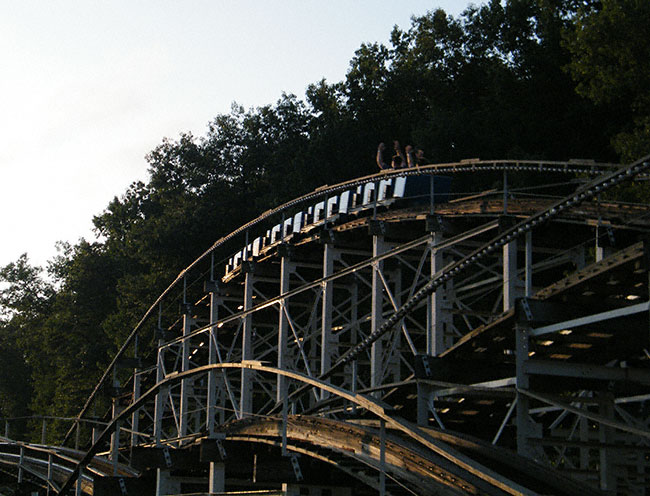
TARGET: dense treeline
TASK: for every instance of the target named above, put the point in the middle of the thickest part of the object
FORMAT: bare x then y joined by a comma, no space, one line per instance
552,79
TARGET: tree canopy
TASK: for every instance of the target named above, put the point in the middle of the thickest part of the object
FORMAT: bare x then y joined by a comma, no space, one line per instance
547,79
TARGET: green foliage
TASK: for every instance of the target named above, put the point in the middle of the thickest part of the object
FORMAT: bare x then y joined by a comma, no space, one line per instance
25,300
53,344
25,295
551,79
610,62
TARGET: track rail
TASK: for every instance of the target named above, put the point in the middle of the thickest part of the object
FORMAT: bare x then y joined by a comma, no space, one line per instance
490,478
334,441
53,464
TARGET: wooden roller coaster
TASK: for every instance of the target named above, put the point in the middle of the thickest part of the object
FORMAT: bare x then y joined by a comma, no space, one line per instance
403,333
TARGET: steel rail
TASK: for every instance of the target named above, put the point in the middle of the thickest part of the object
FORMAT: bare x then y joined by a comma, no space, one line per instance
572,167
39,456
406,462
302,425
313,453
372,405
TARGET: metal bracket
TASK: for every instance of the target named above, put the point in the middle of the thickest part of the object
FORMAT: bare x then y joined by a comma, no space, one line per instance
526,309
376,227
296,467
187,308
506,222
211,287
122,486
433,223
426,365
167,456
222,450
326,236
248,267
285,250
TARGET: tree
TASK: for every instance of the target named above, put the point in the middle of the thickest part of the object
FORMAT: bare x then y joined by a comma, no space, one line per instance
611,65
25,298
444,83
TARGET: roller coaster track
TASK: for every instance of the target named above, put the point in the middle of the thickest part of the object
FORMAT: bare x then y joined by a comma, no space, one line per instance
364,340
542,167
50,467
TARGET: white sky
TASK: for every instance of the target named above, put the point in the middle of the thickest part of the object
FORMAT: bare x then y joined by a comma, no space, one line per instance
89,87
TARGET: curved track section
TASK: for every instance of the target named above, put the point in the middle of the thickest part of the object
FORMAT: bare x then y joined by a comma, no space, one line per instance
49,467
356,448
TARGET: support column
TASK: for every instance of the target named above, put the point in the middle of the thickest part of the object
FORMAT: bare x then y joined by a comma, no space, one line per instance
159,403
217,478
115,448
78,487
509,275
50,472
213,382
94,436
529,265
393,364
579,257
20,464
603,250
354,334
606,438
187,385
166,484
377,304
382,457
115,437
435,324
77,434
246,399
327,339
160,396
526,428
583,425
423,391
286,269
135,416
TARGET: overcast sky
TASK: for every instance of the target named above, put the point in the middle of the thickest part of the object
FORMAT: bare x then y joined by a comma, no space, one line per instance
89,87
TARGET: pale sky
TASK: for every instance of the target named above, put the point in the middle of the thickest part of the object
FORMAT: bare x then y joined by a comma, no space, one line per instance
89,87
